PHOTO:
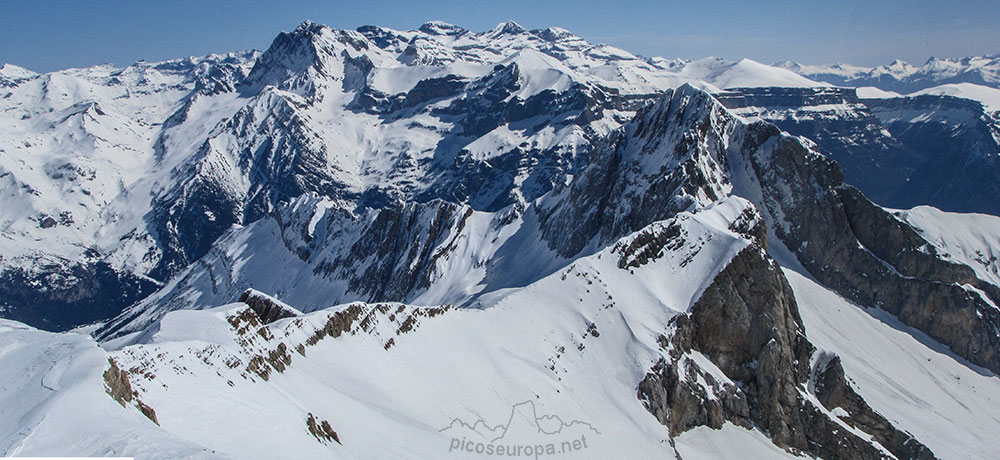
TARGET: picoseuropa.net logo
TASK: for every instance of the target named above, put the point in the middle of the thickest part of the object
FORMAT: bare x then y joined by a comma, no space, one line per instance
525,434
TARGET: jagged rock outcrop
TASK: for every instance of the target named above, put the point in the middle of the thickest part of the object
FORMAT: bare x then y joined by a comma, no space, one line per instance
402,246
669,158
119,387
322,430
267,308
747,324
865,253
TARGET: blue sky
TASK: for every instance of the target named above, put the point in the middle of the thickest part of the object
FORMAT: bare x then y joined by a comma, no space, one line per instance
49,35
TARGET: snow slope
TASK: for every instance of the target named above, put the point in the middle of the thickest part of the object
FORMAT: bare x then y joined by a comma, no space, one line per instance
562,355
731,441
908,377
53,402
989,97
970,239
392,380
744,73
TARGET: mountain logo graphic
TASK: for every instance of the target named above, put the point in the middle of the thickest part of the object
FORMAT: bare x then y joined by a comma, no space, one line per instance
525,433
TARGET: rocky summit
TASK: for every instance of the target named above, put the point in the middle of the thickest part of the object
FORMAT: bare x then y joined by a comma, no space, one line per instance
380,243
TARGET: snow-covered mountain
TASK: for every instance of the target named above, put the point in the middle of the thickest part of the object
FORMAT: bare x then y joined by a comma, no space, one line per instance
904,78
80,156
213,143
370,118
744,73
509,239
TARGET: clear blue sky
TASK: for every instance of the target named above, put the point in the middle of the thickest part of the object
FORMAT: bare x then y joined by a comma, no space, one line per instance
49,35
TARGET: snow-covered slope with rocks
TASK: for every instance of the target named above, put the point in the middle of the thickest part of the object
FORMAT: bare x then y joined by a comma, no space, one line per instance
440,240
397,381
56,404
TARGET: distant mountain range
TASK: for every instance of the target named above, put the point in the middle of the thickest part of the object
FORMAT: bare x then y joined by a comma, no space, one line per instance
905,78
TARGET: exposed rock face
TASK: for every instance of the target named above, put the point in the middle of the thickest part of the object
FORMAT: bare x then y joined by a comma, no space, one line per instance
871,257
267,308
118,386
865,253
397,249
668,159
747,324
322,430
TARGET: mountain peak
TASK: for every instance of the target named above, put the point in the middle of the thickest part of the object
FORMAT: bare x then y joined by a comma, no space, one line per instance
15,72
507,28
791,65
553,34
290,54
310,27
441,28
